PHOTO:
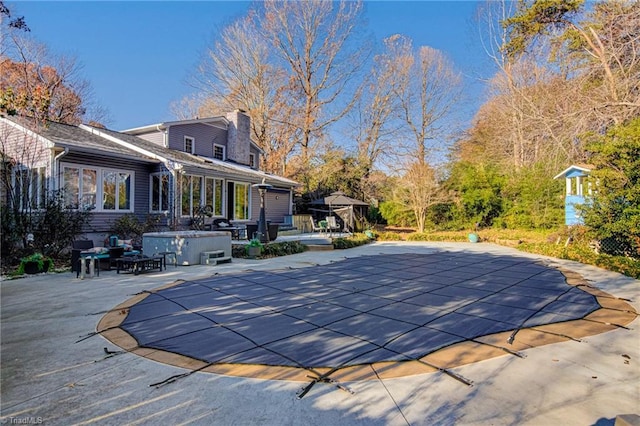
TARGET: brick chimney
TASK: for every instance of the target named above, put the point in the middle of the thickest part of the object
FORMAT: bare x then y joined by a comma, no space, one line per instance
239,137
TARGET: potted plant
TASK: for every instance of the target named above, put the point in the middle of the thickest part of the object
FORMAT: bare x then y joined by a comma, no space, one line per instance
254,248
35,263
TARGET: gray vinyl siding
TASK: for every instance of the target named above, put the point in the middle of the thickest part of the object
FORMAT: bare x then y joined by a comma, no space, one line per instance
102,221
24,151
22,148
255,206
276,210
156,138
204,137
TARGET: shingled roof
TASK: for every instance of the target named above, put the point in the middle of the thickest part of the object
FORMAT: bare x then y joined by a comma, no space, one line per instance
225,168
78,139
110,143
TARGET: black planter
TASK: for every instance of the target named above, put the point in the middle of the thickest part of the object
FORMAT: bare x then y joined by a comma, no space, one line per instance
273,231
34,268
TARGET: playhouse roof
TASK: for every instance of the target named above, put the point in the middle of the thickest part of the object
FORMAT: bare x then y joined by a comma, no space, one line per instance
581,168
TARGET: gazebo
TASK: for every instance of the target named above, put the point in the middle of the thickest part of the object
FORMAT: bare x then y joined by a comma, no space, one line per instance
350,210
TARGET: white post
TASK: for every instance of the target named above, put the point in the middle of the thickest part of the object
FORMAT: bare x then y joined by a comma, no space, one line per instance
578,185
82,267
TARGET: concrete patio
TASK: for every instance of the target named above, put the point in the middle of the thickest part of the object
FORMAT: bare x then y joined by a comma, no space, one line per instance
47,375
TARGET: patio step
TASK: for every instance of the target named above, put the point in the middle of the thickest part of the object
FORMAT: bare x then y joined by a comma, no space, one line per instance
213,257
316,244
294,231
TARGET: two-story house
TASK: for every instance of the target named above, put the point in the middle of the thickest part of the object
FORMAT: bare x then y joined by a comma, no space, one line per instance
167,169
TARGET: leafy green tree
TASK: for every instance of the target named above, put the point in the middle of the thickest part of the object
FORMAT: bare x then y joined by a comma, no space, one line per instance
395,214
533,199
614,211
479,192
537,18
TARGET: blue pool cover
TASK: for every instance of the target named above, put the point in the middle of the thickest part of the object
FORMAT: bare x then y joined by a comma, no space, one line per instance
360,310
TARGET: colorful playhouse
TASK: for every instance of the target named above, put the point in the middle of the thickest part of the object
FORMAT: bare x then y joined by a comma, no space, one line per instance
578,188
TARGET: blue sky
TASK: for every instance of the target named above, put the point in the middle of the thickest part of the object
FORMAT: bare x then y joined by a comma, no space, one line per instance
138,55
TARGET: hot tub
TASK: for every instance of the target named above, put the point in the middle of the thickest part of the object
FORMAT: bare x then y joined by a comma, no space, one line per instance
186,244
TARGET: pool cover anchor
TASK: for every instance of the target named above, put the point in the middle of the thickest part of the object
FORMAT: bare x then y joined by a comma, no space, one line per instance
448,372
110,354
502,348
324,378
177,377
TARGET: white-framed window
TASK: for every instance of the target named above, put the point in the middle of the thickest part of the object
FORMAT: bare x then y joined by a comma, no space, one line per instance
80,186
30,187
219,152
189,144
191,190
241,201
116,190
252,161
214,195
96,188
159,196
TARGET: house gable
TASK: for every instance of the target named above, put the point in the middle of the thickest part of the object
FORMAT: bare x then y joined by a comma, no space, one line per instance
223,138
204,138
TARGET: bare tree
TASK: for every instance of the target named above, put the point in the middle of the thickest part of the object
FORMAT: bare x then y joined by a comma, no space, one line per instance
551,89
237,72
427,89
420,189
316,42
424,91
603,46
375,123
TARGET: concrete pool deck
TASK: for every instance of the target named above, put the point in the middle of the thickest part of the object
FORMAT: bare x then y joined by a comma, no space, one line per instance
46,375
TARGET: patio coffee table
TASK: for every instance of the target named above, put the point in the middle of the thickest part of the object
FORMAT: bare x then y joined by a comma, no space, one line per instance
141,263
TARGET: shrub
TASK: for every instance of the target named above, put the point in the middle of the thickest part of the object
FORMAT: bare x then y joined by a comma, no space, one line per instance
129,227
389,236
53,227
614,211
57,226
440,236
397,214
284,248
349,242
580,251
